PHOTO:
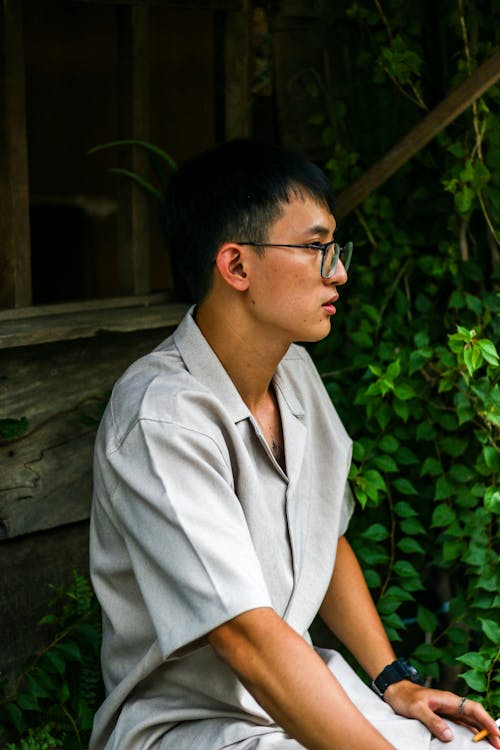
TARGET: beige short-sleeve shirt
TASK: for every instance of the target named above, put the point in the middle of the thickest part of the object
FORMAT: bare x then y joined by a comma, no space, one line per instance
193,522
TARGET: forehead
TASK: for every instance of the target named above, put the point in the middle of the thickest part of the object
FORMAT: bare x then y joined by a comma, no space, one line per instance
303,215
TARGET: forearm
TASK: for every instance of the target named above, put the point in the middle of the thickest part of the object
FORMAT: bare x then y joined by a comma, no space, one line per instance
292,684
350,613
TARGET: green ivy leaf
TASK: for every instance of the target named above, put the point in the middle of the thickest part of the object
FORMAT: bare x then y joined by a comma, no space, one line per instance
404,486
428,653
396,592
475,680
404,510
375,479
492,500
491,629
412,526
28,702
376,532
489,351
401,408
452,550
427,620
372,578
432,467
443,489
454,446
443,516
388,444
410,546
56,660
476,660
405,569
405,456
69,650
461,473
386,463
404,391
425,431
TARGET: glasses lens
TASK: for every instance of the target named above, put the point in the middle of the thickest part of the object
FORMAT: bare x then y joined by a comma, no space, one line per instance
346,254
329,260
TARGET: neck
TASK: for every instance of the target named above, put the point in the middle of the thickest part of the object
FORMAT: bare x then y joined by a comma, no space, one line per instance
245,348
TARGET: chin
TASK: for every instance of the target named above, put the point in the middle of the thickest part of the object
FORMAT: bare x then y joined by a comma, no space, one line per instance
311,337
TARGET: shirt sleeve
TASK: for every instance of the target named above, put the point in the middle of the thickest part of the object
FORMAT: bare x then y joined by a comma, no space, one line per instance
347,509
185,532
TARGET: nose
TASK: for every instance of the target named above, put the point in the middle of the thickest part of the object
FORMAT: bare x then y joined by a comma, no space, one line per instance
339,276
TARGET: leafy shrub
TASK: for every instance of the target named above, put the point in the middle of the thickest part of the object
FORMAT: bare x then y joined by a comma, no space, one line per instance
412,365
53,701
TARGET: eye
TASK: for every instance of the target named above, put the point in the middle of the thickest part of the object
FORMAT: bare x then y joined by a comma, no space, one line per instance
316,245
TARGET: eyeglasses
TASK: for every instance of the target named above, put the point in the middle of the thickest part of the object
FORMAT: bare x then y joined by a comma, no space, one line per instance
331,252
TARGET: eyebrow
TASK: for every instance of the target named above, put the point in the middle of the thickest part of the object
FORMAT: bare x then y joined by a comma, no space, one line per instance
320,229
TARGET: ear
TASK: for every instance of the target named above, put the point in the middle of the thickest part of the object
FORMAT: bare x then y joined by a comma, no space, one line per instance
230,262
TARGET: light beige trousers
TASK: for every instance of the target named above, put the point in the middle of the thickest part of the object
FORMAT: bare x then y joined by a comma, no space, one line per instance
403,734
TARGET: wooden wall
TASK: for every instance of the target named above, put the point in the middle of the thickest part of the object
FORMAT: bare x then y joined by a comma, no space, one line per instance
57,365
46,475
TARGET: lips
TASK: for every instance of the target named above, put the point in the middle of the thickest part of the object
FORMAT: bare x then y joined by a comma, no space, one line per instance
331,301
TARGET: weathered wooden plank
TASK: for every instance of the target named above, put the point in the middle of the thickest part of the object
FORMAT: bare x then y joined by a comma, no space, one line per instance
45,475
28,566
86,323
183,4
15,274
448,110
38,311
133,117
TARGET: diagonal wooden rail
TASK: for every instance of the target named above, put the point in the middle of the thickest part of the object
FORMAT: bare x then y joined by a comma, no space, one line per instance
448,110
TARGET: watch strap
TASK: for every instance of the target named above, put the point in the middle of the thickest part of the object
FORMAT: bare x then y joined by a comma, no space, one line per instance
401,669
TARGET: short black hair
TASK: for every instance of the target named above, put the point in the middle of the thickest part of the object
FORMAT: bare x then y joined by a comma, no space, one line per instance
232,192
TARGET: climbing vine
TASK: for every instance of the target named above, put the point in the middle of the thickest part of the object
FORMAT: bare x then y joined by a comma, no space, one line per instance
412,364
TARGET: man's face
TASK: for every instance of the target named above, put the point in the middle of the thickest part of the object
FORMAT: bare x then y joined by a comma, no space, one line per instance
287,294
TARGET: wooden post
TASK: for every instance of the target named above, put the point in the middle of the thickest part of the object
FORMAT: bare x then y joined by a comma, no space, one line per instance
427,129
133,109
15,271
238,110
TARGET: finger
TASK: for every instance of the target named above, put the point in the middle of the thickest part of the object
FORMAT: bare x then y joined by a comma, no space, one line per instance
476,718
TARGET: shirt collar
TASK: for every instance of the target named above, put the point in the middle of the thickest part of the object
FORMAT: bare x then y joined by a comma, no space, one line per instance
203,363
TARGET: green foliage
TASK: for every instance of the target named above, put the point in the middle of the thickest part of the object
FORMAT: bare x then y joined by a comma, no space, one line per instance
412,365
39,739
52,702
161,164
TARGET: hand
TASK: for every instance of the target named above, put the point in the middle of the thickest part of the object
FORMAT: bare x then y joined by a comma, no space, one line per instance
429,705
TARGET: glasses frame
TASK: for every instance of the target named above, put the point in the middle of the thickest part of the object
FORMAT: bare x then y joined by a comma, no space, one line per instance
338,250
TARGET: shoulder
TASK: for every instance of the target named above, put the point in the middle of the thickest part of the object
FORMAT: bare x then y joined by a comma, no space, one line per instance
158,388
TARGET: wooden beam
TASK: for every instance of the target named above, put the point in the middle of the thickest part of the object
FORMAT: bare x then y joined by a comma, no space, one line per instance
15,271
133,109
427,129
87,323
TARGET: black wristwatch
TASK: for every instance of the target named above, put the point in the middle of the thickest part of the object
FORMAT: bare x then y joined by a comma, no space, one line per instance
401,669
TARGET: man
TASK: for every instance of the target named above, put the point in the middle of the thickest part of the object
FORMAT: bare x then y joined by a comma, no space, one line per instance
221,498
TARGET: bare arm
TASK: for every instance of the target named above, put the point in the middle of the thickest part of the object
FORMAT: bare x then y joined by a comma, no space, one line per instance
350,613
290,681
